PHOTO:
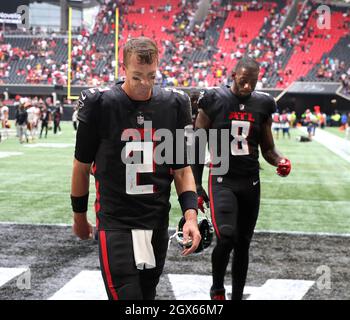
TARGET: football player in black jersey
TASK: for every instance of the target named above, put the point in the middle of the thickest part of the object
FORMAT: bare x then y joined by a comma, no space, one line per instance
235,196
132,196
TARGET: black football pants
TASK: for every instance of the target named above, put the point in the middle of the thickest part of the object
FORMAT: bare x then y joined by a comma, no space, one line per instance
123,281
234,205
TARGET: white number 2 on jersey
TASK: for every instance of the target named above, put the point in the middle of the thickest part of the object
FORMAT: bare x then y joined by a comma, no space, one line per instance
240,132
132,170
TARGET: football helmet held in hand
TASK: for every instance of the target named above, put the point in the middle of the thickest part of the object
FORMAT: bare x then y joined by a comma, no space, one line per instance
206,230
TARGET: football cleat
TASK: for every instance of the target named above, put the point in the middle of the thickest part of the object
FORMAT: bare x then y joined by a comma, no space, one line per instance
217,294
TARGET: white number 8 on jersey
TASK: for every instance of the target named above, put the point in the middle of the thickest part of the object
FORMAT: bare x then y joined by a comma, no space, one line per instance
240,132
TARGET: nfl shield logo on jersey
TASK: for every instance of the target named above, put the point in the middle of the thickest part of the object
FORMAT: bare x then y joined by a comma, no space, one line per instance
140,119
241,106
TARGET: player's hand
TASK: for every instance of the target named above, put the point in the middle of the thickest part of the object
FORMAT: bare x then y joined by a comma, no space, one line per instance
191,234
284,167
82,227
202,198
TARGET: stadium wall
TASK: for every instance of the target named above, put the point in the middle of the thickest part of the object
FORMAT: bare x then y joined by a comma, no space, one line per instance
305,95
293,99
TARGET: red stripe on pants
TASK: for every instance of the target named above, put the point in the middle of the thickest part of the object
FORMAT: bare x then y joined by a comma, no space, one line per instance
102,236
212,205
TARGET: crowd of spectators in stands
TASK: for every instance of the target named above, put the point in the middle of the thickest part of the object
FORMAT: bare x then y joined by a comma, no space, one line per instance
332,69
183,62
41,65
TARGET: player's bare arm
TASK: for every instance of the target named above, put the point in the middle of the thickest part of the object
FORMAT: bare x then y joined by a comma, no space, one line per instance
80,187
267,145
184,181
270,153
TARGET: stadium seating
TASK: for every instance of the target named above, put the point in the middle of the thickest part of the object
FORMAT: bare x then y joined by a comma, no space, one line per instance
310,50
341,52
247,26
200,55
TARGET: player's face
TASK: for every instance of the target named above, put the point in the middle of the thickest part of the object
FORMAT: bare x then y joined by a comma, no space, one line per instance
244,82
140,78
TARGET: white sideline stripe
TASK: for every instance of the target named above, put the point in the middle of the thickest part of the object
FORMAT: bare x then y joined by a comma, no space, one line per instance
172,230
300,233
87,285
339,146
282,289
195,287
308,182
9,223
289,202
6,154
332,173
7,274
36,192
302,202
191,287
49,145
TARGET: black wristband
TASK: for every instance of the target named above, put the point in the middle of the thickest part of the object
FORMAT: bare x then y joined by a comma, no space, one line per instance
80,204
188,200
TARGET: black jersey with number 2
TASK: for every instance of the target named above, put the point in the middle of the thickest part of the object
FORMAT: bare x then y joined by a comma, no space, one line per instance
112,128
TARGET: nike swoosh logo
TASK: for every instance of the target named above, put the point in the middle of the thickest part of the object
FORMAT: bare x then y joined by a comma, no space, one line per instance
255,182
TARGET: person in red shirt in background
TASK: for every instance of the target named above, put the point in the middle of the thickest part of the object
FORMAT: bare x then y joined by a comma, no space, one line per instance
320,117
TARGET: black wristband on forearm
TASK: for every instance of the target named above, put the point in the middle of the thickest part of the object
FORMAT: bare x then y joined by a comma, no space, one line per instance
188,200
80,204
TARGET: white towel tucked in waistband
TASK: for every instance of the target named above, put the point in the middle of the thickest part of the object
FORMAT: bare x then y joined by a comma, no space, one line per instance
143,249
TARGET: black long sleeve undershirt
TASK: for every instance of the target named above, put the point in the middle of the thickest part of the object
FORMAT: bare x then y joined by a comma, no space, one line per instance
198,165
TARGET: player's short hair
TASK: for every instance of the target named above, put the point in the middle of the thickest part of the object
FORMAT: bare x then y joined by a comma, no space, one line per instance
145,49
247,63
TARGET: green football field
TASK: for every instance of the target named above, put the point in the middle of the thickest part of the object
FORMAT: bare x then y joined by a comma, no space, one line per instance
35,186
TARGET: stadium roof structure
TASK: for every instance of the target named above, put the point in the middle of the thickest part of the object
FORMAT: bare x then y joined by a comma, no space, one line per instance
314,87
